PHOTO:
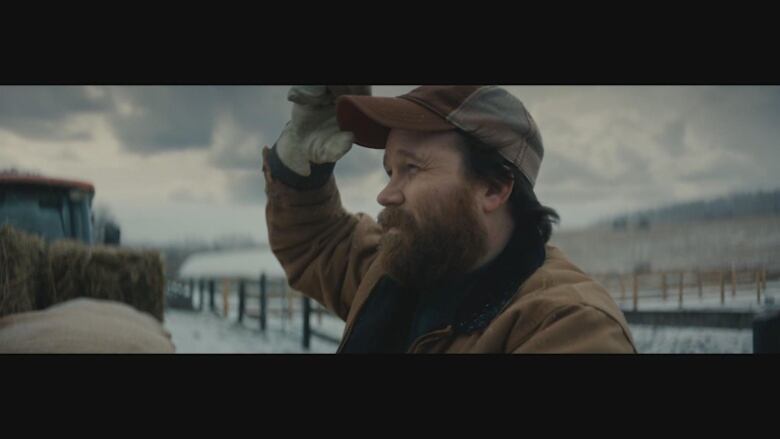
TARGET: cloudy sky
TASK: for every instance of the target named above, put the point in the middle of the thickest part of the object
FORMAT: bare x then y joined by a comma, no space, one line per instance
178,163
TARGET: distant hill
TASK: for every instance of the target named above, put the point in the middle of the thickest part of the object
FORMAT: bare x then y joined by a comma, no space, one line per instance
731,206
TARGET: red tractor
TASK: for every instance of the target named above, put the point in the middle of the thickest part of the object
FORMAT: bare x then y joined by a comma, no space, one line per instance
53,208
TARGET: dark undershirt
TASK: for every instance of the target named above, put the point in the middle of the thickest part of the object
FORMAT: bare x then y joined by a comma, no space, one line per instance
463,300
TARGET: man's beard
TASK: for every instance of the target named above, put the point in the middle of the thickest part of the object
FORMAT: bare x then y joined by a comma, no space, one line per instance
447,242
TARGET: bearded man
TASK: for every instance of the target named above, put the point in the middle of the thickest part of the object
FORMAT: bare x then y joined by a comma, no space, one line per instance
458,261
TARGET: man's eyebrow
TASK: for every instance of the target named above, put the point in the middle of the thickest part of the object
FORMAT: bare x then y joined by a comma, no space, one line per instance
402,152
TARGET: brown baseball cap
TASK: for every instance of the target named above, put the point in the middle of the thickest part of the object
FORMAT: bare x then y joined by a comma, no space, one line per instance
489,114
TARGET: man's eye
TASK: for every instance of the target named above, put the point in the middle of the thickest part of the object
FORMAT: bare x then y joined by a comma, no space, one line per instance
404,169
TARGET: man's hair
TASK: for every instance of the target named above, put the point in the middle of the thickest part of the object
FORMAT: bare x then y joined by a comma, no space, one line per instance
487,165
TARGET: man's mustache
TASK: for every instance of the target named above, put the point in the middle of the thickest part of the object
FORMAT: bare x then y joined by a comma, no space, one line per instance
394,217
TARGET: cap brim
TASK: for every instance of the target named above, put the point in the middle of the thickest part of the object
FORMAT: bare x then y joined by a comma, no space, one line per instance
371,118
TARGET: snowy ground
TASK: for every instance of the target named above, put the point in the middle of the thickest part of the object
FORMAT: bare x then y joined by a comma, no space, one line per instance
692,340
676,340
204,332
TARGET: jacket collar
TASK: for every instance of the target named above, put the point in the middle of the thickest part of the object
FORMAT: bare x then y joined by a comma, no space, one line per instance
487,290
468,303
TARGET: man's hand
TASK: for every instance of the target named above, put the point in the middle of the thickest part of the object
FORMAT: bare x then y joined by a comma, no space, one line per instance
313,135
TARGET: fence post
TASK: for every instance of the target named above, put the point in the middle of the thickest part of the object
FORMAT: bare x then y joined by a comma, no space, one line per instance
212,306
622,288
226,286
241,299
722,288
663,286
262,302
698,281
758,287
766,333
200,295
306,327
682,279
636,291
733,280
283,287
288,293
763,277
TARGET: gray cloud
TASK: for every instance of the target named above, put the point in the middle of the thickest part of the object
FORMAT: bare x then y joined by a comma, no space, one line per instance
69,156
565,181
359,162
635,169
262,109
234,122
242,155
45,112
742,120
608,146
190,196
654,145
7,162
250,118
234,148
673,137
152,119
247,187
560,169
156,119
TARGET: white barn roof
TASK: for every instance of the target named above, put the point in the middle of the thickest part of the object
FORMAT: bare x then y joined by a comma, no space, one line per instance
246,263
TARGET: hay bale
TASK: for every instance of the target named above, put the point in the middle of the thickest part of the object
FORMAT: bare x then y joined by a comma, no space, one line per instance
34,276
134,277
22,259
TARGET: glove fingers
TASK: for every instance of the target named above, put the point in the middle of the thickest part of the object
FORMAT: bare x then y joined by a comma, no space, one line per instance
333,147
319,95
309,95
338,90
313,134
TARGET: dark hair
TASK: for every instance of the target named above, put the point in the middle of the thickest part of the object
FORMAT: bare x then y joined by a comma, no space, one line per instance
487,165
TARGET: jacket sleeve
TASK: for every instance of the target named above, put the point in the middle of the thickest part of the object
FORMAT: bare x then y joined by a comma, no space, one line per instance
578,329
324,250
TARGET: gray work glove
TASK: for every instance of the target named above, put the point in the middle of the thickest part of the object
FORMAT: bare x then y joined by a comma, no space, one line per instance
313,135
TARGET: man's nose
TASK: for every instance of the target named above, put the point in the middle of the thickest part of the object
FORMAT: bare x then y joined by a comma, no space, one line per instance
391,195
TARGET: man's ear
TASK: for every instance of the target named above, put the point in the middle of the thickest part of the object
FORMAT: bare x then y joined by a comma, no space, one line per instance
495,196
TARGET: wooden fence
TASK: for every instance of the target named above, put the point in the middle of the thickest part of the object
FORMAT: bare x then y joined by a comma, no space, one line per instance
676,285
206,288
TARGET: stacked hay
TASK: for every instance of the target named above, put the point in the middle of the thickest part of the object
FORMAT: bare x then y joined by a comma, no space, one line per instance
132,277
43,276
22,260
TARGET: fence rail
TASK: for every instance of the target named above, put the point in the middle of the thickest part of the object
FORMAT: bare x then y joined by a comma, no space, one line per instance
663,285
261,311
669,285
